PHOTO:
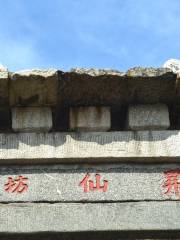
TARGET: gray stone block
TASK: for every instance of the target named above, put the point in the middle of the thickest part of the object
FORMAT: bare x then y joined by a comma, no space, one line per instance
148,117
34,88
61,183
78,217
31,119
90,119
140,146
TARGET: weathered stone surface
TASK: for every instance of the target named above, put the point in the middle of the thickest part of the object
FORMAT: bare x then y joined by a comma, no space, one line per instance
146,72
110,87
140,146
78,217
31,119
90,119
60,183
148,117
173,64
4,78
97,72
34,88
87,87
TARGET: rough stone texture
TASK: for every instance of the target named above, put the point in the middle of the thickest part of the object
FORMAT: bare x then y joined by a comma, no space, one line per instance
78,217
110,87
34,88
4,79
87,87
60,183
173,64
90,119
142,146
97,72
31,119
148,117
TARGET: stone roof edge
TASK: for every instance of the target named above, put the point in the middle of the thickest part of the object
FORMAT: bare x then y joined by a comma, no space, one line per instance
83,86
95,72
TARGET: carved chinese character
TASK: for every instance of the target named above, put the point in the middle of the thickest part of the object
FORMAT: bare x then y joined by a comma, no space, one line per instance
17,185
89,185
172,184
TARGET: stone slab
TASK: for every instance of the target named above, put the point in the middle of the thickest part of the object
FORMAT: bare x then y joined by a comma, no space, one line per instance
87,87
61,183
140,146
34,88
148,117
90,119
31,119
78,217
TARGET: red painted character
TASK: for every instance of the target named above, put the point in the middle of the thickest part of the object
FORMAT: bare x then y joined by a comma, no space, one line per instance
172,184
17,185
89,185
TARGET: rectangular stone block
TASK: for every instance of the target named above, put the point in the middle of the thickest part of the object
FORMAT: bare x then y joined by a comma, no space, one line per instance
140,146
90,119
34,88
113,88
112,183
89,217
31,119
148,117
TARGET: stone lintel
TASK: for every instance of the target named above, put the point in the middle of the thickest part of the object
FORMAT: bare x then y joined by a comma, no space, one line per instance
140,146
61,183
88,87
100,87
82,217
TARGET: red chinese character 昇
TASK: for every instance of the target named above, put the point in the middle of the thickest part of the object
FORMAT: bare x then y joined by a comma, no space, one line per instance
17,185
89,185
172,184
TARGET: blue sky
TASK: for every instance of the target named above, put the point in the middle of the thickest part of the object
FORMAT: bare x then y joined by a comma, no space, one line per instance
62,34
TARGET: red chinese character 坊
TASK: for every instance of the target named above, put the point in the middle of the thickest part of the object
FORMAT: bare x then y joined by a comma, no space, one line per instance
89,185
17,185
172,184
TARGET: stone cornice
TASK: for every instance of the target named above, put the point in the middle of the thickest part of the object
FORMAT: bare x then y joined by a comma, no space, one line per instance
88,87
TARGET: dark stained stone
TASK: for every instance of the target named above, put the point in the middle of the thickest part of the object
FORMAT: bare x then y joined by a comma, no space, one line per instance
110,87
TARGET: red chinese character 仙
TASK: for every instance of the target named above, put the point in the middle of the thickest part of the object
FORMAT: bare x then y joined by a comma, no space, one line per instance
89,185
